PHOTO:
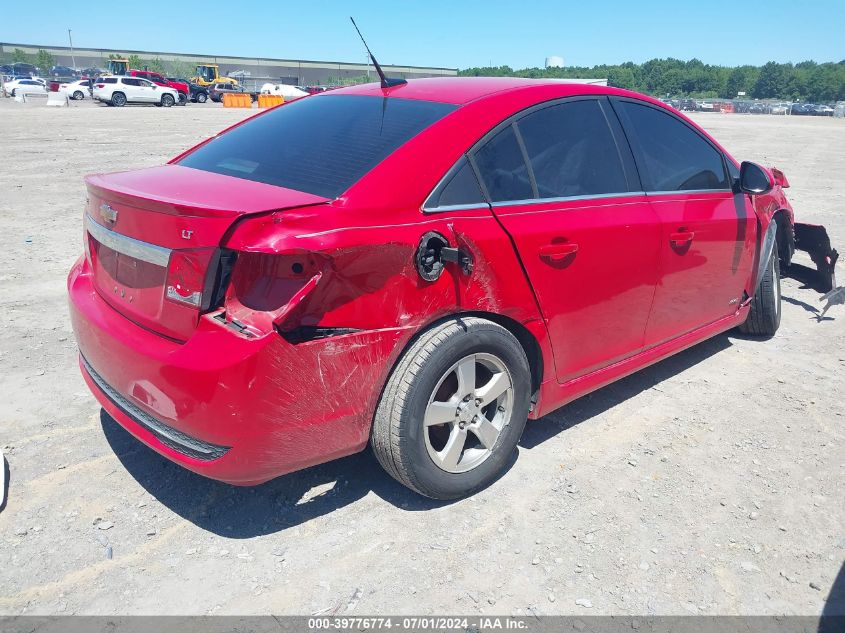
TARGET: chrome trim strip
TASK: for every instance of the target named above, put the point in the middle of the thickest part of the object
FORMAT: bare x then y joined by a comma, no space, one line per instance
124,245
456,207
515,203
681,192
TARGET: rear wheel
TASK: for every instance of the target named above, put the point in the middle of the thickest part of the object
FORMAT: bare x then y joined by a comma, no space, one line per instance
453,409
201,97
167,100
78,95
118,99
764,317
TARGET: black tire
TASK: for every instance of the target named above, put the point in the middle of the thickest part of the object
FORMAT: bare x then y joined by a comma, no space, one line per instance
118,99
764,316
167,100
183,99
398,435
78,95
201,97
12,93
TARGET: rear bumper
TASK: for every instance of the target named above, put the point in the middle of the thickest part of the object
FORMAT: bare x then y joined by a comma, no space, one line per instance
241,410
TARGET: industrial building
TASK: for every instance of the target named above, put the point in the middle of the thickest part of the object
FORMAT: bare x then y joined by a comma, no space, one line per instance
250,69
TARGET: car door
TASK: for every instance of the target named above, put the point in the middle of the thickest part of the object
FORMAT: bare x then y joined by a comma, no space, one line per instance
561,180
150,91
706,246
131,86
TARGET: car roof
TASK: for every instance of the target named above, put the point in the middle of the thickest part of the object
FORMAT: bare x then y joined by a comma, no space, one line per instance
462,90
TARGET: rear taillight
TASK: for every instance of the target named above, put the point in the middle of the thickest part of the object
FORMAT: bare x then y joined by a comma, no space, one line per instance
99,85
188,273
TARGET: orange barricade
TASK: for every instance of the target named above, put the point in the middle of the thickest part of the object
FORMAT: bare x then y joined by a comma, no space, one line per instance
235,100
270,101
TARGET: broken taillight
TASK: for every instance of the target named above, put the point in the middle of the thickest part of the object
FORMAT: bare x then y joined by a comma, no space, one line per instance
265,288
187,275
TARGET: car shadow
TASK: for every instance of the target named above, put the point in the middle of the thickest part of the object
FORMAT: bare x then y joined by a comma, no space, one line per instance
618,392
290,500
833,614
244,512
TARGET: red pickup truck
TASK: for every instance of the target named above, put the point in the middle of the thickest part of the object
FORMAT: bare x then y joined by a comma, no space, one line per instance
157,78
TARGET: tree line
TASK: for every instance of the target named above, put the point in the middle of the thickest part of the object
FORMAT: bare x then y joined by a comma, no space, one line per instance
805,81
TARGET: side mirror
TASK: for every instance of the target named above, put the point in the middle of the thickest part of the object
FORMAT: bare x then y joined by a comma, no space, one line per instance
753,179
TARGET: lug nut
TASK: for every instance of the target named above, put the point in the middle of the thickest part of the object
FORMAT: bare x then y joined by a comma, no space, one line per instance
462,425
501,408
478,401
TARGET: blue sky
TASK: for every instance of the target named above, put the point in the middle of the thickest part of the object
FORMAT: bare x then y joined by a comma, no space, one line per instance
452,34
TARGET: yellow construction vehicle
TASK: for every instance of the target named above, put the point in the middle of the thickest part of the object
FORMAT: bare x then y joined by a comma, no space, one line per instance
208,74
118,66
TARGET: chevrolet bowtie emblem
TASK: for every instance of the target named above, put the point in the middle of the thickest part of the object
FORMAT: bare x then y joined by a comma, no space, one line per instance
109,215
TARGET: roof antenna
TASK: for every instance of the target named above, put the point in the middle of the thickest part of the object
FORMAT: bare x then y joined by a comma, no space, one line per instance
386,82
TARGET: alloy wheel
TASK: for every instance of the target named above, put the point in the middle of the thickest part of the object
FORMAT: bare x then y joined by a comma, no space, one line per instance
467,411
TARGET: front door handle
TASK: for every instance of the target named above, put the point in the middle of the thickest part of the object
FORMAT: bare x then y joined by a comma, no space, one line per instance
681,237
558,252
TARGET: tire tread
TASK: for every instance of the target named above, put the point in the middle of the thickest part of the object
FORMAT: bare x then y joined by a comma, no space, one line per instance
387,434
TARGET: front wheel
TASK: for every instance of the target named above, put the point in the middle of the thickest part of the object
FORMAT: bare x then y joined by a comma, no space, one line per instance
453,409
202,97
183,99
764,317
167,100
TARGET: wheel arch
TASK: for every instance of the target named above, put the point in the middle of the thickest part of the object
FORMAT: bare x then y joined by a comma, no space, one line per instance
785,236
526,338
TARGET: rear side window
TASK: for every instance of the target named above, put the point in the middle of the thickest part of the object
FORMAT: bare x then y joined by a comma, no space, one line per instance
572,151
131,81
503,168
669,154
459,187
320,145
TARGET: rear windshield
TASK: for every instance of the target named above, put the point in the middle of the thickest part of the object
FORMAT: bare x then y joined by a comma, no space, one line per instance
320,145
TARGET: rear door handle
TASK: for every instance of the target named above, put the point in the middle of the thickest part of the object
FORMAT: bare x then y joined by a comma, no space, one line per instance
681,237
558,252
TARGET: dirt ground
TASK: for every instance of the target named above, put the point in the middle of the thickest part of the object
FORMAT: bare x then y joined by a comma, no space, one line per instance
712,483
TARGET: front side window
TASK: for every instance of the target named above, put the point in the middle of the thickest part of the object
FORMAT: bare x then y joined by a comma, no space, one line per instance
670,155
502,168
321,145
572,151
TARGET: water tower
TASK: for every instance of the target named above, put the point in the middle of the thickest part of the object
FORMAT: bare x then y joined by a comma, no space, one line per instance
554,62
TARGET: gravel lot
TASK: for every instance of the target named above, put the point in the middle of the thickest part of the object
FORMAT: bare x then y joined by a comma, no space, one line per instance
713,482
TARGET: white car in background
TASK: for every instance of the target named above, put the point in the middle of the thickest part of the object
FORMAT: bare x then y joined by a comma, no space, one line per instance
288,92
24,86
76,90
120,90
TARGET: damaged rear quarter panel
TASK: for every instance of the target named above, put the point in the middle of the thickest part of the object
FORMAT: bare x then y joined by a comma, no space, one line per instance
367,280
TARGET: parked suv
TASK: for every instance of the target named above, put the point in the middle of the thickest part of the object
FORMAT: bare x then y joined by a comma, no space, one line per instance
197,93
181,87
120,90
216,91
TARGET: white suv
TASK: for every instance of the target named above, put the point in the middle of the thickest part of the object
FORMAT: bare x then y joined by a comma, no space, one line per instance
120,90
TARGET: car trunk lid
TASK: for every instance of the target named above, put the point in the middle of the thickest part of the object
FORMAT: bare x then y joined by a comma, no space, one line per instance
153,239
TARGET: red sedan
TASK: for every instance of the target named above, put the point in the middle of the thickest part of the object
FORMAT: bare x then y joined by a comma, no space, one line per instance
420,267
